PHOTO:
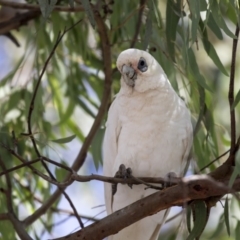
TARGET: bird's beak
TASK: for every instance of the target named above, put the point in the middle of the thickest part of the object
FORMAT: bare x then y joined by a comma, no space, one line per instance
129,75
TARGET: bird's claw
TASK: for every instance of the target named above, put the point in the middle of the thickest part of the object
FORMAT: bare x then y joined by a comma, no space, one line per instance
124,173
129,175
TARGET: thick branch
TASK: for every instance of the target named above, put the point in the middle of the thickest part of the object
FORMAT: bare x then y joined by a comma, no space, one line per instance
19,228
194,187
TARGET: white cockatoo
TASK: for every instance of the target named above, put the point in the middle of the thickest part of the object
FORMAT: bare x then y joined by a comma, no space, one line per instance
148,130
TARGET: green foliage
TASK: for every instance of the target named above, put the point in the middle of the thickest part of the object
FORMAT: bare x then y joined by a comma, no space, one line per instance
187,40
200,216
226,216
64,140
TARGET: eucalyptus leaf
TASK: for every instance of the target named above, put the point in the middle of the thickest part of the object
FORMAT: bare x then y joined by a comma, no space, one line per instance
236,100
203,5
217,15
46,7
237,230
213,55
195,16
219,229
73,86
88,9
236,170
60,174
193,68
11,74
233,176
214,27
226,216
71,3
210,50
173,14
148,31
64,140
96,147
157,15
189,215
200,220
67,114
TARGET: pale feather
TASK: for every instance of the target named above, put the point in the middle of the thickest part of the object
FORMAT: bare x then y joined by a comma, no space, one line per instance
148,130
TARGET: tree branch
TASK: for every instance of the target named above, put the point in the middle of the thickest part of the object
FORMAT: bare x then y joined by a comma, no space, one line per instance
231,97
78,162
31,108
18,5
191,188
22,18
81,178
8,191
18,20
18,226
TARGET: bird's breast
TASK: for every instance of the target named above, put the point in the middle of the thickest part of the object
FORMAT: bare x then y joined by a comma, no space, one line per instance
148,141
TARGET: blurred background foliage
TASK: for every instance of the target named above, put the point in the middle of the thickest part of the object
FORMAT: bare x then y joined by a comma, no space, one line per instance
192,40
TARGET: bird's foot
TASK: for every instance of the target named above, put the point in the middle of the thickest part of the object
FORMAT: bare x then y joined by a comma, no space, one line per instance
124,173
170,179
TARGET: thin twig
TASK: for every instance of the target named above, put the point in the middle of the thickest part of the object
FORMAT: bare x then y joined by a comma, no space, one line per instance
125,20
18,226
213,161
139,23
31,108
81,178
196,187
8,191
65,211
26,163
146,184
139,180
4,172
18,5
18,20
174,217
57,164
231,95
78,162
30,134
50,179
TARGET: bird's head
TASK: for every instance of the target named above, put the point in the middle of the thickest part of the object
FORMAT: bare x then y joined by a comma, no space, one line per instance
140,70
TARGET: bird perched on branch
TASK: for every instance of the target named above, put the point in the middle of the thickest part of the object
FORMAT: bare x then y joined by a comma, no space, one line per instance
148,130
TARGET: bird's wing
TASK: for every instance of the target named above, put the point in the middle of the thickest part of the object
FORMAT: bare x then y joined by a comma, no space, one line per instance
110,145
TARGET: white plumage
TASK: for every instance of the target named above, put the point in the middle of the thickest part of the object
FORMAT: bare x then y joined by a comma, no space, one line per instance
149,130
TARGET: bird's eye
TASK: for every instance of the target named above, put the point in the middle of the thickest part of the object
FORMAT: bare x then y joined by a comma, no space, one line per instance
142,65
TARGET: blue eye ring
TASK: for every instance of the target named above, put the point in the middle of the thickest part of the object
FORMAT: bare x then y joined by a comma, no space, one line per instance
142,65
